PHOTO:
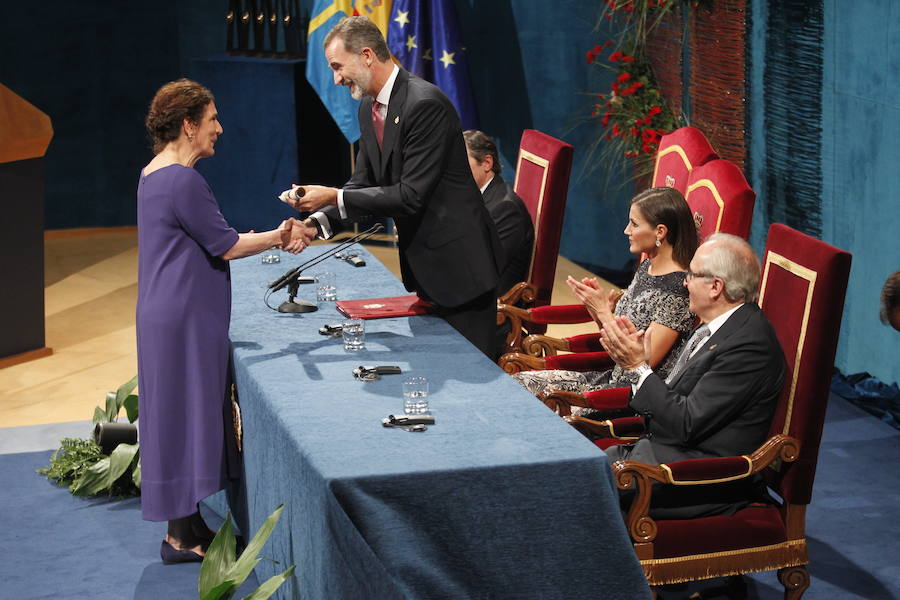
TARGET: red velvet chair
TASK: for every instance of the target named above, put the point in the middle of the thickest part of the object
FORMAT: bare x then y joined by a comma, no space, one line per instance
542,181
721,199
802,293
680,152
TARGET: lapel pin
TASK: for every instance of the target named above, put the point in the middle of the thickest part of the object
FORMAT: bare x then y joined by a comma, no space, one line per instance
713,347
396,120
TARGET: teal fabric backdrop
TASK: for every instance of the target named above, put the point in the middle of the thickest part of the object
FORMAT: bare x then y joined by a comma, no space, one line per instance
860,124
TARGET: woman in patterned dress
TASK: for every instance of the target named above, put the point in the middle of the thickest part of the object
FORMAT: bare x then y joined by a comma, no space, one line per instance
660,226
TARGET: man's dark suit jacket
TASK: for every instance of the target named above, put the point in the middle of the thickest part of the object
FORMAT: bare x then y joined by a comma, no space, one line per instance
515,229
721,404
449,249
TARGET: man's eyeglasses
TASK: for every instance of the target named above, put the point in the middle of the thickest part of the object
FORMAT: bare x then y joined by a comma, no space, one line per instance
691,275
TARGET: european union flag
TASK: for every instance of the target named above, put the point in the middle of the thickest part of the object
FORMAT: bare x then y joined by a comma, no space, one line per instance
424,36
336,98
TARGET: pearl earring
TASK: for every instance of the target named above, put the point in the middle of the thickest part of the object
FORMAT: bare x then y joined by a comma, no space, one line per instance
658,243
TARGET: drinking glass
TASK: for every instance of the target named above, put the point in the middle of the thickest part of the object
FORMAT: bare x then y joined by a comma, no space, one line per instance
415,395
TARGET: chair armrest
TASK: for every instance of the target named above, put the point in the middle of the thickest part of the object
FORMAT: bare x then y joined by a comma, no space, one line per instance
565,314
514,362
561,401
609,399
586,342
543,345
583,361
521,292
698,471
516,317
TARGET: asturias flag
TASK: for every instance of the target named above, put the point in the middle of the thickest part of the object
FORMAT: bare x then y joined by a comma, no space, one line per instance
424,36
336,98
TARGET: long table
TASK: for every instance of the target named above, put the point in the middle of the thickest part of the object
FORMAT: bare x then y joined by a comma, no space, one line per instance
499,499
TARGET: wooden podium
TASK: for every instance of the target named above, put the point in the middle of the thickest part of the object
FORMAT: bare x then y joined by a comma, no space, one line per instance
25,133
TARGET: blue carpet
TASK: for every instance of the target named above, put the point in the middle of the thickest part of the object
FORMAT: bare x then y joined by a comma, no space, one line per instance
59,546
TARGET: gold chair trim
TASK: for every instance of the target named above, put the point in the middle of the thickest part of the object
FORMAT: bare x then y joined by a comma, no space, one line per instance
788,544
672,480
673,148
707,183
810,276
612,431
545,165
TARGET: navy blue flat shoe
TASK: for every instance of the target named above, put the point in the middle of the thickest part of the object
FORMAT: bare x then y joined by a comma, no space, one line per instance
171,556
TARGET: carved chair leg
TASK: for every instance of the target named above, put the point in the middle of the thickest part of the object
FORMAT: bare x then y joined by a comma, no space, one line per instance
795,581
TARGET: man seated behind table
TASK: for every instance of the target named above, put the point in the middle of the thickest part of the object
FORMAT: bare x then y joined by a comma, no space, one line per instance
720,397
506,208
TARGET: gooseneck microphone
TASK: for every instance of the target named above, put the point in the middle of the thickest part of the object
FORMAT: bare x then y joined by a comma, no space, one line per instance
285,279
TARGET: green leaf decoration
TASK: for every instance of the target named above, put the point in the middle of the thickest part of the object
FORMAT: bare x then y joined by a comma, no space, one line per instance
221,574
99,416
270,585
248,561
136,475
93,480
224,590
119,461
112,407
131,408
125,390
218,560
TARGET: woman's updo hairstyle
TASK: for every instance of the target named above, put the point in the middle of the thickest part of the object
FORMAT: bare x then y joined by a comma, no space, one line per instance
173,103
666,206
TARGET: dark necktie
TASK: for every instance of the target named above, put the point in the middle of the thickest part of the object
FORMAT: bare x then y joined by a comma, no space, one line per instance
378,121
700,334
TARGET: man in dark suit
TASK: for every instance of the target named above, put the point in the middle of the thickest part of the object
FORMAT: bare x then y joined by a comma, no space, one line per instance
412,167
720,396
507,210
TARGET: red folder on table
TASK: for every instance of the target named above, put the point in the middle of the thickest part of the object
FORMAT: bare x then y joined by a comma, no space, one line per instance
381,308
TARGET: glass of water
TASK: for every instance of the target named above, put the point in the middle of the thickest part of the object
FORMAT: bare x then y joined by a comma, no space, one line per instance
415,395
325,288
353,333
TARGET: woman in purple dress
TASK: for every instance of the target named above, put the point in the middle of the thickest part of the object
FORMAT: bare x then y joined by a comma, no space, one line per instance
183,312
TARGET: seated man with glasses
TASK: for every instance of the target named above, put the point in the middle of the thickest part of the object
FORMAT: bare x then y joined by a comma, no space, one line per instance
720,396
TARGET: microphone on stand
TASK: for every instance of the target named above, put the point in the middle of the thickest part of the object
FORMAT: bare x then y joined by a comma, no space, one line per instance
291,278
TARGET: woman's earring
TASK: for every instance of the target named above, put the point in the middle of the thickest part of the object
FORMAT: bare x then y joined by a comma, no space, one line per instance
191,139
658,243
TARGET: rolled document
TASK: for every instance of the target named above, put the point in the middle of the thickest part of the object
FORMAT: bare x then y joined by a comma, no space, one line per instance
292,194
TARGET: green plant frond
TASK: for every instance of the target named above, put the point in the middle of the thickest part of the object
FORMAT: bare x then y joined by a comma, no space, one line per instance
131,408
256,544
125,389
112,407
219,559
269,587
94,479
136,475
99,416
223,591
119,460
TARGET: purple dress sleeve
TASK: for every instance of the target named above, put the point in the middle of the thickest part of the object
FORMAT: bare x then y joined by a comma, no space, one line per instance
198,213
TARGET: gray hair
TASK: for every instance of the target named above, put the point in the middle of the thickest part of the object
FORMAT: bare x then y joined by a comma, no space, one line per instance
358,33
733,261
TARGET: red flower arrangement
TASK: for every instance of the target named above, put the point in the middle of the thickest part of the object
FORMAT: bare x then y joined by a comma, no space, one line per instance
633,114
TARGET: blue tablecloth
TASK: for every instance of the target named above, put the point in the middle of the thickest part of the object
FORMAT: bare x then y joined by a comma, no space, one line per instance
499,499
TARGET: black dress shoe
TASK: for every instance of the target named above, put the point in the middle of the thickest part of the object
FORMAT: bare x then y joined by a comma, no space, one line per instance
170,555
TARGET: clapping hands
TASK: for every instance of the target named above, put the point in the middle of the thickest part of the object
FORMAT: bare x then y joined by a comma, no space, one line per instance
601,304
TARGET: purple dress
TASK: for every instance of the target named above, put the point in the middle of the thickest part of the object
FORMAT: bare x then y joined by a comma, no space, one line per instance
183,312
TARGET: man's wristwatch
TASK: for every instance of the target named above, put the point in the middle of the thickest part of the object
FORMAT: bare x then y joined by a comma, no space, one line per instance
633,376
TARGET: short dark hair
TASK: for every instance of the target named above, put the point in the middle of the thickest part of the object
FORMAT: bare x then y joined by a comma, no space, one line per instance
359,33
890,297
666,206
171,105
480,146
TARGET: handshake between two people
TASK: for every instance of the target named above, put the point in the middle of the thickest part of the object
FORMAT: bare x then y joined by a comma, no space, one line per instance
296,235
